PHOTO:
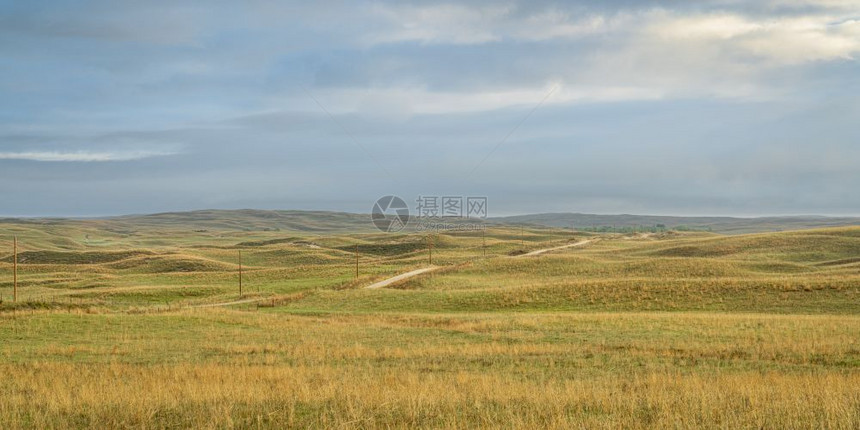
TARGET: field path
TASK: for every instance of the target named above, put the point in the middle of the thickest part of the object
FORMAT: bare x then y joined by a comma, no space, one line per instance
544,251
407,275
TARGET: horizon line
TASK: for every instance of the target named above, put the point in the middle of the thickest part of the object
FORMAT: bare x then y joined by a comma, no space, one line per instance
507,215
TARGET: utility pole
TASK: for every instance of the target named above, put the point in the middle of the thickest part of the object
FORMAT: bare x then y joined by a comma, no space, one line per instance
430,249
240,273
484,240
15,269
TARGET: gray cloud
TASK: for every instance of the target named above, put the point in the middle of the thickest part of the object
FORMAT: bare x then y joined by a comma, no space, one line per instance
83,156
663,107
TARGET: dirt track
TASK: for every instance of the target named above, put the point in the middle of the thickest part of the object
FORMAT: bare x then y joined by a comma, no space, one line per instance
557,248
407,275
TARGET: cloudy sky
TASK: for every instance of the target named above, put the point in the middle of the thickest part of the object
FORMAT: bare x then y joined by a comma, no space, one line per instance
675,107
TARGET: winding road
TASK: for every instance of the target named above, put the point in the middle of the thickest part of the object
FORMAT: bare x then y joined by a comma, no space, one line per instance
407,275
557,248
402,276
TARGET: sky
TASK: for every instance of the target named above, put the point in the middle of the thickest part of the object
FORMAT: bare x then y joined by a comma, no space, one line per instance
721,107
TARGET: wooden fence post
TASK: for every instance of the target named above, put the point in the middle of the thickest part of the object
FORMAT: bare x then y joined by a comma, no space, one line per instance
15,269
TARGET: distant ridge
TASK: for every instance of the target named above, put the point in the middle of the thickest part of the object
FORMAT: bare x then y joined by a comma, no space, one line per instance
252,219
724,225
340,222
216,219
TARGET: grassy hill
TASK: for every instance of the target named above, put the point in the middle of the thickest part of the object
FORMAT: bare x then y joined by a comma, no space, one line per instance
210,226
249,220
675,270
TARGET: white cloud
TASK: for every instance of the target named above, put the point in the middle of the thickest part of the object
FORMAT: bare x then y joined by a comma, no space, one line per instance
444,23
804,40
617,55
81,156
401,102
463,25
716,55
555,24
715,26
827,4
779,41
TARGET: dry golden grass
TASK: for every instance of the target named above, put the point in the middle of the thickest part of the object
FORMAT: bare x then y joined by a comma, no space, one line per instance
61,395
218,368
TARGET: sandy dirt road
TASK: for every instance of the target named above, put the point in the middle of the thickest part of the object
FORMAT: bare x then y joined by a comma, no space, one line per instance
398,278
407,275
557,248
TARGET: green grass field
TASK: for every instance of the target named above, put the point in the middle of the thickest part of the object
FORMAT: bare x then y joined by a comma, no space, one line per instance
130,325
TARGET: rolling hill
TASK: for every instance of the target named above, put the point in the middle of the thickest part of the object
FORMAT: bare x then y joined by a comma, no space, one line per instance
324,222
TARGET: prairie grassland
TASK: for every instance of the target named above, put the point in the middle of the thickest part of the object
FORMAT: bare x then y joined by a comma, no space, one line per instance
217,396
219,368
645,331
